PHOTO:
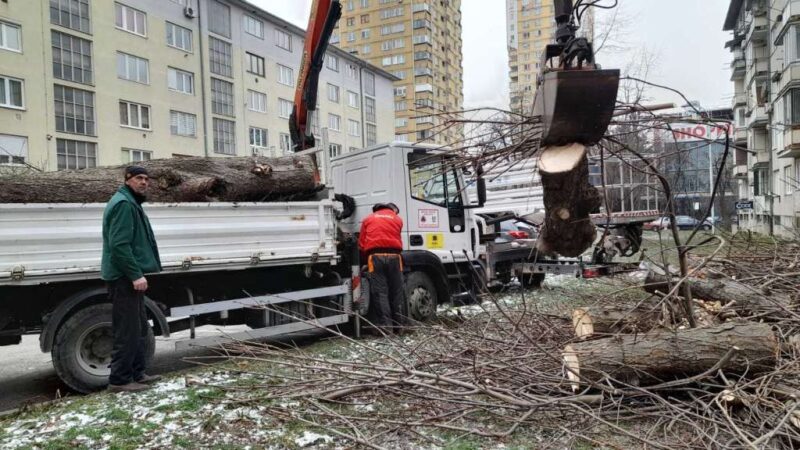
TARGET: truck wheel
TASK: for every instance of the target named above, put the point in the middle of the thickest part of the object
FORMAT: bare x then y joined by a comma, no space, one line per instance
82,348
531,280
421,296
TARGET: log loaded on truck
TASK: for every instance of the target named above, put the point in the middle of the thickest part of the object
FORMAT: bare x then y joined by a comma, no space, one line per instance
277,267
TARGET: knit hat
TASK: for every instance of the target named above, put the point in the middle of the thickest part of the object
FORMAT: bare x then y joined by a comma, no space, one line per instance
132,171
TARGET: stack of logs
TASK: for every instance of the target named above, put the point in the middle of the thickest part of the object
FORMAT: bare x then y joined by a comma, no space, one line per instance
627,345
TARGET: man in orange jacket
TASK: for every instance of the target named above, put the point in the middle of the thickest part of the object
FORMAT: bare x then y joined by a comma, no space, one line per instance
380,242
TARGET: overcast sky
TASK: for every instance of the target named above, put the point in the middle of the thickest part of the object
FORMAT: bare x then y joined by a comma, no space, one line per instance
683,37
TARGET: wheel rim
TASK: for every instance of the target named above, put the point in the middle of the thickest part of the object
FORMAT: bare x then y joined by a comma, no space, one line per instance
422,302
93,351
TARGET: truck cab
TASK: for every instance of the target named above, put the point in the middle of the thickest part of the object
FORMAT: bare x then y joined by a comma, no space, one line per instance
441,237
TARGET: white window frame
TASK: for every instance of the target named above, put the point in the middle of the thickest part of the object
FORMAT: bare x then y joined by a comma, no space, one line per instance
332,62
259,60
182,118
353,100
352,71
226,147
256,101
284,108
284,73
124,25
788,183
353,128
186,34
283,40
263,137
334,122
285,142
334,93
334,149
248,21
141,153
4,32
130,106
178,73
128,58
401,122
6,101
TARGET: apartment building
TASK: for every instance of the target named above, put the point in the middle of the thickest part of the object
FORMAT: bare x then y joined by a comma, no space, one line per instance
530,27
765,72
420,43
85,83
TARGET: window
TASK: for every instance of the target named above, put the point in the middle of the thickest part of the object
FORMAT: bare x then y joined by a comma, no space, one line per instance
285,75
760,182
10,37
788,182
333,93
179,37
75,154
366,49
313,119
428,183
131,20
283,40
393,44
182,124
74,109
224,136
334,122
352,71
400,91
257,101
352,99
353,128
334,150
393,29
791,104
14,149
392,60
365,33
72,14
285,108
219,18
399,74
258,139
365,18
369,109
72,58
372,134
137,155
351,36
222,97
220,57
400,106
133,68
253,26
332,62
180,81
369,83
351,21
365,3
285,143
391,12
401,122
134,115
255,64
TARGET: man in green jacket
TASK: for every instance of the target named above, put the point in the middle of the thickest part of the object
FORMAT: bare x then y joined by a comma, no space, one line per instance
129,252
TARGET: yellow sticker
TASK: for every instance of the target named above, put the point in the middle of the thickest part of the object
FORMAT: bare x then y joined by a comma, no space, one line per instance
434,240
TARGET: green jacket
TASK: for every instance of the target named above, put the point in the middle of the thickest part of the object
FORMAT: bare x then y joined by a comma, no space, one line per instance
129,246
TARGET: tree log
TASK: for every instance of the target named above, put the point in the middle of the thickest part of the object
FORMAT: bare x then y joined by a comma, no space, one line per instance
568,201
173,180
734,296
662,355
599,320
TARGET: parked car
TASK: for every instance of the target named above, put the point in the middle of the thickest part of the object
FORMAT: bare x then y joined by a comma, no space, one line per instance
683,222
512,230
658,224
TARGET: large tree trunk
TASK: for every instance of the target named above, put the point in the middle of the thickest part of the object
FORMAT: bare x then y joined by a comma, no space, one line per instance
173,180
594,321
734,296
663,355
568,201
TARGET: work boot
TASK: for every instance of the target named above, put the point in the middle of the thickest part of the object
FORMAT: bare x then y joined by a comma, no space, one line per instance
148,379
130,387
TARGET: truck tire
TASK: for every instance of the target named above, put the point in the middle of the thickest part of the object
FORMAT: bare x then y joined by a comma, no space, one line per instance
82,348
421,297
531,280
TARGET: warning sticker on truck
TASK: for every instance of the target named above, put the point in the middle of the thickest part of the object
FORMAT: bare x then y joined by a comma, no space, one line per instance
434,240
428,218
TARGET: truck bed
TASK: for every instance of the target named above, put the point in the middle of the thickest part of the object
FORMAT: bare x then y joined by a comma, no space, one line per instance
49,242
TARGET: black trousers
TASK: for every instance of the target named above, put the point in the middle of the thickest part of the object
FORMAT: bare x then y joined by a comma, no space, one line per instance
129,324
388,300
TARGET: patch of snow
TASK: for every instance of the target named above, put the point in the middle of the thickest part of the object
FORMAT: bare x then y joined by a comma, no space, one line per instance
310,438
168,386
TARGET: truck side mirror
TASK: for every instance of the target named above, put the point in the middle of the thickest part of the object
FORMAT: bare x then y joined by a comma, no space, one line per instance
481,184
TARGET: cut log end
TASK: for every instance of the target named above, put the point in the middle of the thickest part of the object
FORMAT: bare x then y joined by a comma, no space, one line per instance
572,367
582,322
561,159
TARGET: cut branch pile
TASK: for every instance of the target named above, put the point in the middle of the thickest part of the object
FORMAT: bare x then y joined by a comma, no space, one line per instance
173,180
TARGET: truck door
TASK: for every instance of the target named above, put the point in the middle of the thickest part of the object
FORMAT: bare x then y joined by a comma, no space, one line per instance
436,217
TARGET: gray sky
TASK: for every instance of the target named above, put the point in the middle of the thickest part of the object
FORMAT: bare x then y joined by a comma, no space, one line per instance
684,37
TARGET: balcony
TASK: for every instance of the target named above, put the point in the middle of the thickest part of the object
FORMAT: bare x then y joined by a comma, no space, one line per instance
758,31
791,140
789,16
758,69
738,69
757,117
740,136
739,100
423,88
740,171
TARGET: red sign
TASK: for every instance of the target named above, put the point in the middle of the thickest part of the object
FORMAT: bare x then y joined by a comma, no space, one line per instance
696,132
